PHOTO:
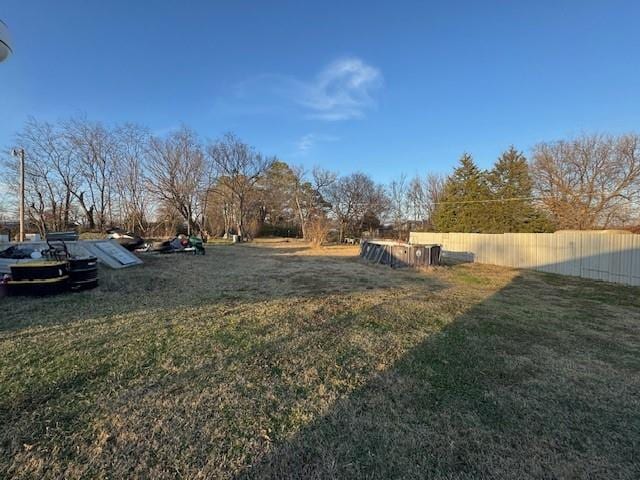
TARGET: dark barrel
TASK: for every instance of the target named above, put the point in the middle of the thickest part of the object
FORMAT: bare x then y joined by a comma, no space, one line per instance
83,273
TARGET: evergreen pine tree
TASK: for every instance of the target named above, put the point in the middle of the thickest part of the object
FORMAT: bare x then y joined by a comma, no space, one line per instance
461,209
510,180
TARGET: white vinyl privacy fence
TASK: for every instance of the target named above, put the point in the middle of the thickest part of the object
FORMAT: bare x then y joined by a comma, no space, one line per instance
612,257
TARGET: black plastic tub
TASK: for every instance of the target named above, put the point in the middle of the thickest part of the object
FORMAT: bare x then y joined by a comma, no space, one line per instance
39,270
83,273
83,263
48,286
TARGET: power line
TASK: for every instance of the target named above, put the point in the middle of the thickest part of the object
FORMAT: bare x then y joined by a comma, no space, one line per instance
490,200
515,199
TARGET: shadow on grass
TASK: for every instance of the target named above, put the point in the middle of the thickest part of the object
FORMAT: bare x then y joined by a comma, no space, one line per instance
439,379
509,389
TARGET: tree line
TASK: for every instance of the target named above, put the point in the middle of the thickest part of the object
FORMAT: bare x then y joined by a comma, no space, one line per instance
82,173
589,182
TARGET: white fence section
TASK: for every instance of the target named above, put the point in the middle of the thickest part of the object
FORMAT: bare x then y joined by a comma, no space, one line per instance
612,257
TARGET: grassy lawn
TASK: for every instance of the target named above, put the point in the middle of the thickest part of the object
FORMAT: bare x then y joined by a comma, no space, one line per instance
272,360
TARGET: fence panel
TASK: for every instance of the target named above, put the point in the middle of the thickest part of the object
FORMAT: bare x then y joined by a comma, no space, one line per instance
612,257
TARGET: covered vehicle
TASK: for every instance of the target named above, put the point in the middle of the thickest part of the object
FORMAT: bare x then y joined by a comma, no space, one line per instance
128,240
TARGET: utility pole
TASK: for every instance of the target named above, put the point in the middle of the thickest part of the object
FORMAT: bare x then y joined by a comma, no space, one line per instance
19,152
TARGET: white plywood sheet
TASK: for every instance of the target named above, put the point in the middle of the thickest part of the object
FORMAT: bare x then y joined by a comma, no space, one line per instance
112,253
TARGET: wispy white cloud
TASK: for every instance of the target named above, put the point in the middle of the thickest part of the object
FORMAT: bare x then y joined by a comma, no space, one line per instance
305,143
343,90
308,141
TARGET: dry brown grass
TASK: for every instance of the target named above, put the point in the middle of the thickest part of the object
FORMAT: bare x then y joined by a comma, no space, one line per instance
273,360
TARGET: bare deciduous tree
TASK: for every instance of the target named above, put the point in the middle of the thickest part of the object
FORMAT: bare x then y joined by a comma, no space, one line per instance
308,197
416,201
589,182
354,198
238,168
398,202
423,195
434,190
176,169
91,145
131,146
318,228
51,175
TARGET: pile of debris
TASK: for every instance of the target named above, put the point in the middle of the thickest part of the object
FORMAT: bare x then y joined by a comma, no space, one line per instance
47,271
63,262
108,252
178,244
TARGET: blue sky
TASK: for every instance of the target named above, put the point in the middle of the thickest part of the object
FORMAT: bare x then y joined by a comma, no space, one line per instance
381,87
